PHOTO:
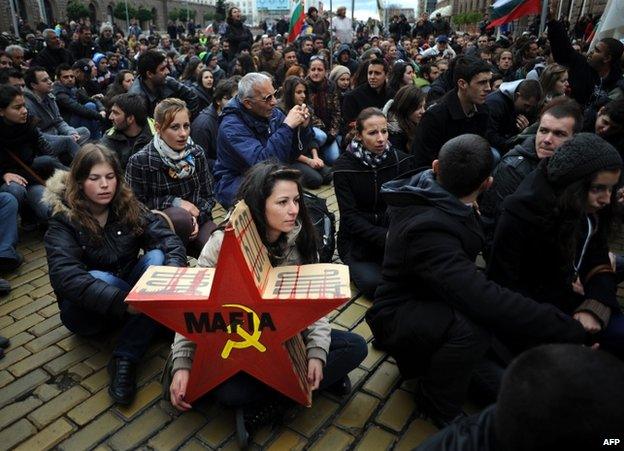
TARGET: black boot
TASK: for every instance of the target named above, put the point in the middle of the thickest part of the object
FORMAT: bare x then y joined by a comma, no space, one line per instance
340,388
428,409
122,386
252,417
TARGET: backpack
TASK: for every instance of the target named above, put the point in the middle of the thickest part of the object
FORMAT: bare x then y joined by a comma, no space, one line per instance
324,222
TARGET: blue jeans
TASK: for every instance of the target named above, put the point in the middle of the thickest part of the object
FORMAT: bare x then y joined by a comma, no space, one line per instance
92,124
346,352
329,153
29,197
8,226
137,331
64,147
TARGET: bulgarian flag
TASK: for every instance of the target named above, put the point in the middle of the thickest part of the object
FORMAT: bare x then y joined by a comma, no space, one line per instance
297,19
504,11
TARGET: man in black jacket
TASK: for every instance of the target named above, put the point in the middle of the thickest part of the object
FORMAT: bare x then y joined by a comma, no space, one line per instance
434,310
511,109
154,84
558,123
53,54
84,47
460,111
132,129
371,93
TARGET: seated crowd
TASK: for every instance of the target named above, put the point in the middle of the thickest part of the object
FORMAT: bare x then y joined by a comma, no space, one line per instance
441,147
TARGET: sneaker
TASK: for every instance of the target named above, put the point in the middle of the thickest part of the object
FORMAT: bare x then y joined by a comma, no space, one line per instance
122,386
5,287
340,388
11,264
4,342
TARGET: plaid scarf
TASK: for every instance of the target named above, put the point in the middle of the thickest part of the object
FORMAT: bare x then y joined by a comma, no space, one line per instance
368,158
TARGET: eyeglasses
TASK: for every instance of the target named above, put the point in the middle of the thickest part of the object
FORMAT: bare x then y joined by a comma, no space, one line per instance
268,97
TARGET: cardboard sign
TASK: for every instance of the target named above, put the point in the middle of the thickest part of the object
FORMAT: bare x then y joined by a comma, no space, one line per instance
244,315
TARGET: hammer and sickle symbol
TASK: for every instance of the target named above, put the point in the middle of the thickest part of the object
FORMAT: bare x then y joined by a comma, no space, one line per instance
248,340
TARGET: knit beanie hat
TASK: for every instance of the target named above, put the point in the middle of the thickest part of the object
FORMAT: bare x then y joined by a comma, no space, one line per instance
337,72
581,156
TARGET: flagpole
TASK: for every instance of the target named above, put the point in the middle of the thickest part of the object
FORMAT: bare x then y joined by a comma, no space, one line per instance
543,18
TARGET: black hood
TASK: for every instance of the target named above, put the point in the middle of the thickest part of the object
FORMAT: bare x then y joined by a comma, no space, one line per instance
423,189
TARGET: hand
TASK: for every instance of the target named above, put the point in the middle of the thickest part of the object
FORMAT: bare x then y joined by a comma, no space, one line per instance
188,206
177,390
295,117
577,287
15,178
316,163
195,232
98,96
306,115
315,373
620,196
588,321
103,114
75,136
522,122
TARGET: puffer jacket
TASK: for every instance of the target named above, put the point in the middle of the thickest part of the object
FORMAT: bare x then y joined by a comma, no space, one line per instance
244,140
72,254
317,335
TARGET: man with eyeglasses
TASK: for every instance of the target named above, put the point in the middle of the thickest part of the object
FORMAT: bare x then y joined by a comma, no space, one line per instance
252,130
53,54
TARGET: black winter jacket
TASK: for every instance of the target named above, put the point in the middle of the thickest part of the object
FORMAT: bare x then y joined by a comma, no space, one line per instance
429,271
526,254
71,254
502,120
362,97
363,219
508,174
204,131
237,33
444,121
50,59
71,102
171,88
124,147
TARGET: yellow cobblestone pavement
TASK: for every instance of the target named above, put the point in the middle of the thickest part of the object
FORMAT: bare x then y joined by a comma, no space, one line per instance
53,387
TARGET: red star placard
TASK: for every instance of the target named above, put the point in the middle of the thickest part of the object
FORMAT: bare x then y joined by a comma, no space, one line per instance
244,315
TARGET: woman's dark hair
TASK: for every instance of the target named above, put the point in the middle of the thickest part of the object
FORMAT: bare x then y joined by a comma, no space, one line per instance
7,94
256,188
288,92
395,82
230,19
191,67
124,206
247,64
225,88
407,100
200,76
116,87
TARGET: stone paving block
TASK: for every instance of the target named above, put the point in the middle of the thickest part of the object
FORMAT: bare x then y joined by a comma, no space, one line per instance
46,325
287,439
364,302
96,380
375,439
144,397
41,291
50,310
68,359
46,392
148,369
88,436
91,408
140,429
333,439
361,329
35,361
57,406
21,386
178,431
357,376
382,380
218,429
48,437
397,410
21,325
6,321
16,433
80,371
16,292
13,356
41,281
99,360
350,316
48,339
5,378
71,342
373,358
419,430
10,306
357,411
32,307
19,340
15,411
193,445
29,277
308,421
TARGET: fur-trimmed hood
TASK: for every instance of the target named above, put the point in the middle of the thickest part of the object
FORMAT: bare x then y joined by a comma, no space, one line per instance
54,194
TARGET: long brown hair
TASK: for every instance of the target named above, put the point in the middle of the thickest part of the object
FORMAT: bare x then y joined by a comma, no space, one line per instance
124,206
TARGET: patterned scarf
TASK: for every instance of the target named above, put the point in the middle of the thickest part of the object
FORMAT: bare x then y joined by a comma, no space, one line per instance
181,164
368,158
